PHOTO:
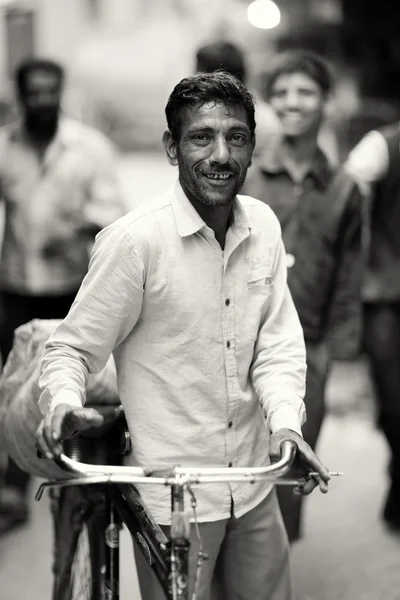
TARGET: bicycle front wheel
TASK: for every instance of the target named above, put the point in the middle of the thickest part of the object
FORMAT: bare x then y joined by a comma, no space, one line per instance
79,550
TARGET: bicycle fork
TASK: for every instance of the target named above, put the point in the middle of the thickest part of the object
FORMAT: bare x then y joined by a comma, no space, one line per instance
112,536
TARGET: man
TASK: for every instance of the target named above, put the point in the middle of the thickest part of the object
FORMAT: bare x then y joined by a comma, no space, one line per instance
319,211
189,293
375,163
58,182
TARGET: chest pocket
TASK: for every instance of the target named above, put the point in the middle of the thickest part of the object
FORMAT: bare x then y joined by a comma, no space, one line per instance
260,280
259,286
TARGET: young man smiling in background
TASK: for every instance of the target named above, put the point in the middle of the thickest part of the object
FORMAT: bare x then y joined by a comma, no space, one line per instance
319,209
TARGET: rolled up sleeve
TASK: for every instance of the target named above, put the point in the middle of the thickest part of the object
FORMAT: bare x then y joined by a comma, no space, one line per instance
105,311
279,367
368,162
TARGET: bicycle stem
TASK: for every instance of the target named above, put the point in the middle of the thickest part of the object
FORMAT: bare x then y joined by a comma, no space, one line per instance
180,542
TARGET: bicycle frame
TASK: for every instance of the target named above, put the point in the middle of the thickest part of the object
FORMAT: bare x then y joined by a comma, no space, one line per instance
168,558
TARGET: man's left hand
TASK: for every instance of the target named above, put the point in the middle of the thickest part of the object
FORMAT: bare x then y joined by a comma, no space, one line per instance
306,460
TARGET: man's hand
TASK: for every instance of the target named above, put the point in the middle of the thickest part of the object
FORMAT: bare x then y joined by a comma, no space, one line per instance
61,423
304,462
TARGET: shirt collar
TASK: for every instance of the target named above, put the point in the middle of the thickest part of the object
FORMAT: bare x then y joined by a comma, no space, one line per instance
272,163
188,220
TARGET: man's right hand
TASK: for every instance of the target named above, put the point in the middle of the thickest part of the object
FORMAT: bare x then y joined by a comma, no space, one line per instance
61,423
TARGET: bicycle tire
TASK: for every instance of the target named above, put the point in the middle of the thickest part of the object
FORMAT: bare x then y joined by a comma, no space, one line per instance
79,522
81,570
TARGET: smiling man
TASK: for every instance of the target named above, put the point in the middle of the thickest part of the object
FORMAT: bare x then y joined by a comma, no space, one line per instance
189,293
319,209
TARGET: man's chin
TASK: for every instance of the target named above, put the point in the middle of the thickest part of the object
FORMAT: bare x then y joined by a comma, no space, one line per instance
217,198
295,131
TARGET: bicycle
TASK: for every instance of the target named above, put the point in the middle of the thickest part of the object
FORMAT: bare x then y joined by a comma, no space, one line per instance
92,503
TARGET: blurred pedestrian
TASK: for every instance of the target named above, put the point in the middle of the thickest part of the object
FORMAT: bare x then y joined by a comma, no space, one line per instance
319,209
375,163
59,185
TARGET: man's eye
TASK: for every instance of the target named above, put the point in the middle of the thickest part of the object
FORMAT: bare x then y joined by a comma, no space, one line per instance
238,139
281,94
201,138
308,93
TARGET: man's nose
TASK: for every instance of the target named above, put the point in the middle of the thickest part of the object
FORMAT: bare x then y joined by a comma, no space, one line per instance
220,151
292,100
46,99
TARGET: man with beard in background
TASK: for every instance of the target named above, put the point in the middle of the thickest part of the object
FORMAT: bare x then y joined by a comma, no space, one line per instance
58,182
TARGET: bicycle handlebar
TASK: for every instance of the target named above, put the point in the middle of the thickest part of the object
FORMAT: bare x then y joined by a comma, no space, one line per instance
153,475
86,474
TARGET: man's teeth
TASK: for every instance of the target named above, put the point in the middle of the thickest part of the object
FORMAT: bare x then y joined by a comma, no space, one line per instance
217,175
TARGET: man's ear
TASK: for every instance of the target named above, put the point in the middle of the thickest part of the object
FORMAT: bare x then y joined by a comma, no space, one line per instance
170,148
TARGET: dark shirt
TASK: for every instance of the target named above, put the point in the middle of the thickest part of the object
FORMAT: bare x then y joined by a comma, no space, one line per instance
321,229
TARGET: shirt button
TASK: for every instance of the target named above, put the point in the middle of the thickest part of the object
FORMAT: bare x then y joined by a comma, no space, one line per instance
228,344
230,424
230,464
227,302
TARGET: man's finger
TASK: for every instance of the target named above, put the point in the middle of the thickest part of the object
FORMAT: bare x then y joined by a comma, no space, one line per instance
41,443
47,433
86,417
274,448
314,463
310,486
323,486
57,423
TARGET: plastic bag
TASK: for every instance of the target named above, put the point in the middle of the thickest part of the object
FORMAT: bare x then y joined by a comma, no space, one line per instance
19,396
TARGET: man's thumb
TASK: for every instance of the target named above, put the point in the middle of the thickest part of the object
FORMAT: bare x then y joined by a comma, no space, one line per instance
274,448
89,416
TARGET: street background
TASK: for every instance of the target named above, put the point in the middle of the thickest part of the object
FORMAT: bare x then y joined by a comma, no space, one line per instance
122,58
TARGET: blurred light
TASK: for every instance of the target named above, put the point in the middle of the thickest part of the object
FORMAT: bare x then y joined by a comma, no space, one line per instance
264,14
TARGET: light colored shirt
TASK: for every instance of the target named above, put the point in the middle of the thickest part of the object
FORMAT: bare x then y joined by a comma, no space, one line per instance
48,201
207,343
368,162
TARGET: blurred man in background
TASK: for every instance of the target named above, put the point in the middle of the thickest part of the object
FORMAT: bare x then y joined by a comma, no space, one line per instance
319,209
59,184
375,163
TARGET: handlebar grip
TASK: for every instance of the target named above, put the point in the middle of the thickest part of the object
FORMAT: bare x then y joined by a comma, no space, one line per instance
288,452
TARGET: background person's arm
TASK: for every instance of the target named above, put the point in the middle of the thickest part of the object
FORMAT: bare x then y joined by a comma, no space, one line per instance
368,162
344,327
105,203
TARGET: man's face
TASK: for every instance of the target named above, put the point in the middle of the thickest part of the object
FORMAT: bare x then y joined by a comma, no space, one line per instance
41,98
213,152
299,103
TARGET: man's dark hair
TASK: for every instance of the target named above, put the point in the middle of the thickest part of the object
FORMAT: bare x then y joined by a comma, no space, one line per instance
30,65
221,56
299,61
204,87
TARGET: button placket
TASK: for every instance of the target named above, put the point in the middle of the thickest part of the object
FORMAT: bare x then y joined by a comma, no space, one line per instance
231,368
